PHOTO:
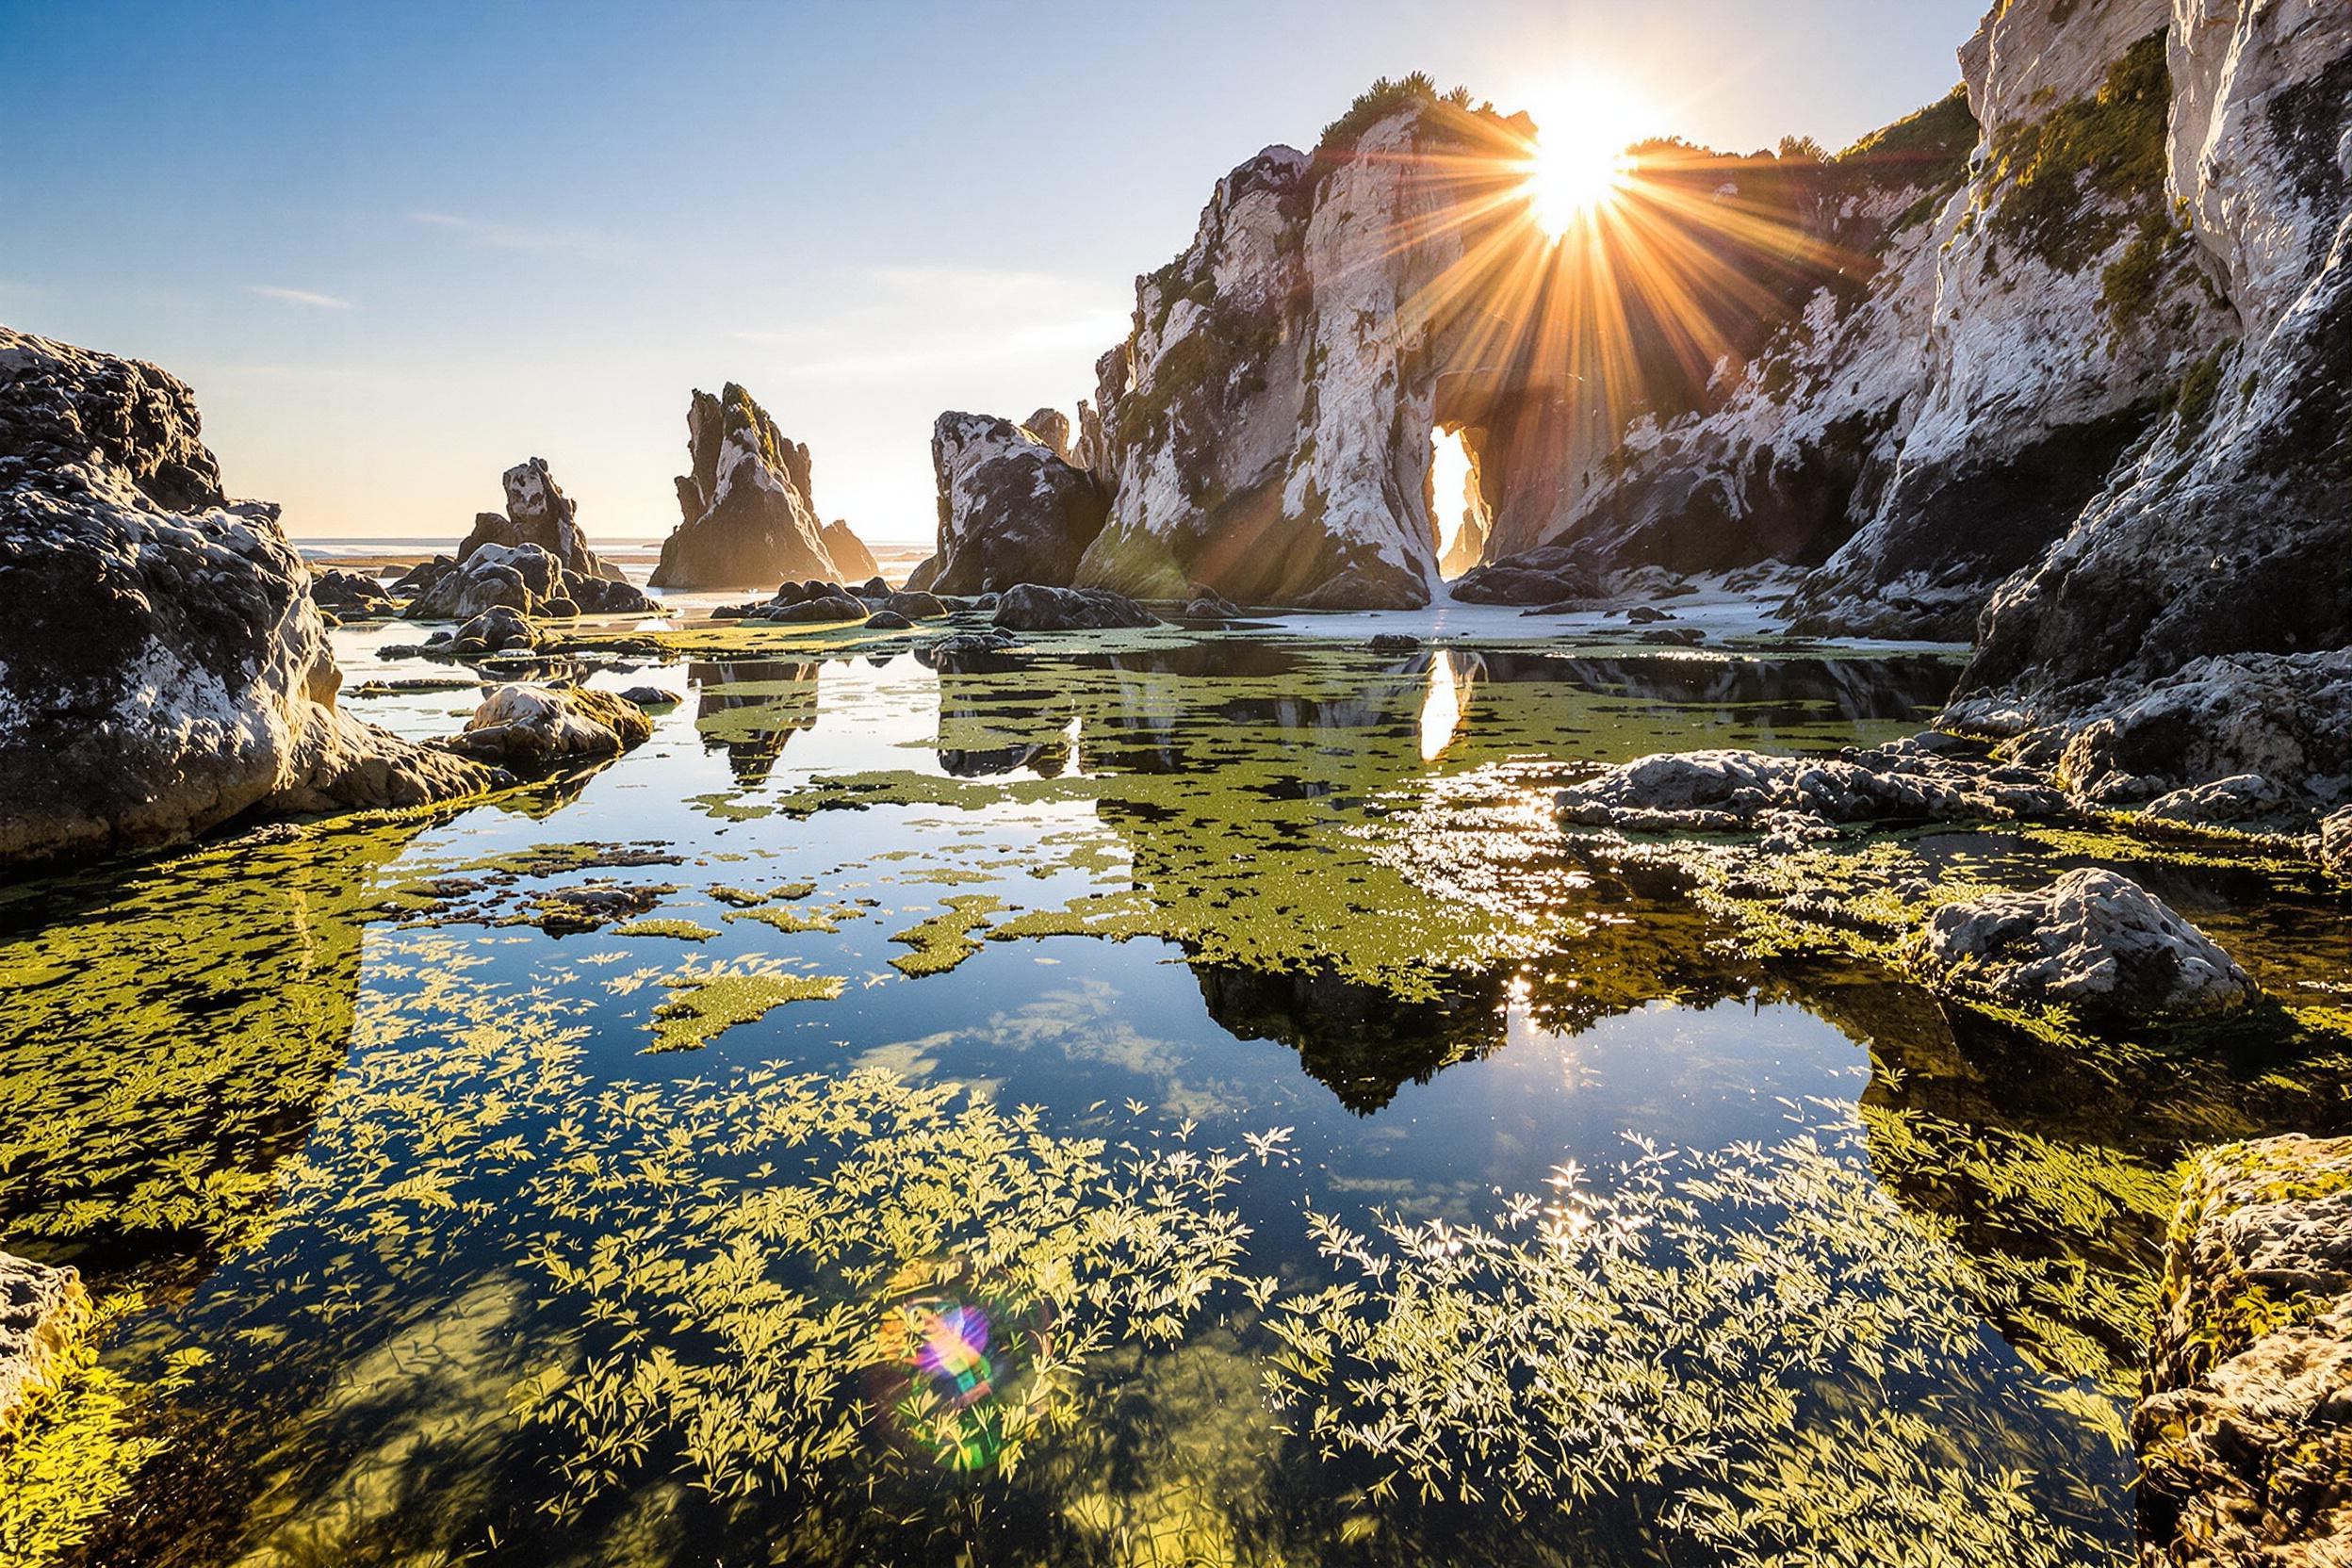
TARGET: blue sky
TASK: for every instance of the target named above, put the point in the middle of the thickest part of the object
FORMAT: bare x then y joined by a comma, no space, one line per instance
398,249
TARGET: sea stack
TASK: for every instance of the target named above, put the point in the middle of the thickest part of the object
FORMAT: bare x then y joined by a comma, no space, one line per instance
745,515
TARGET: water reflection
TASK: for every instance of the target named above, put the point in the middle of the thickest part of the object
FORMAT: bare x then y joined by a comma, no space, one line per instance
752,708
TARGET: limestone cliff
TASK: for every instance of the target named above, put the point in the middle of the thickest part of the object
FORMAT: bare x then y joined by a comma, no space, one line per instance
745,515
162,665
2218,557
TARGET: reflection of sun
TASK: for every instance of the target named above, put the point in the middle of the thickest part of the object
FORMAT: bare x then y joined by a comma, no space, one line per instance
1578,162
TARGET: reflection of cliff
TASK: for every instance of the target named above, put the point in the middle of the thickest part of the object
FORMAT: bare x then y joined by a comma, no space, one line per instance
166,1032
990,726
752,707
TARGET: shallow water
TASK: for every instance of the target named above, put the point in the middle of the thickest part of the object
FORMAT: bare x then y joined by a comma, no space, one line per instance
1179,1104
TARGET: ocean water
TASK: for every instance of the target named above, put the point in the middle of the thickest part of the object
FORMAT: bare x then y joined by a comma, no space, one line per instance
1176,1100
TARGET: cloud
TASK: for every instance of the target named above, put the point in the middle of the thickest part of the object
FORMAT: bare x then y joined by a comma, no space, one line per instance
586,243
300,297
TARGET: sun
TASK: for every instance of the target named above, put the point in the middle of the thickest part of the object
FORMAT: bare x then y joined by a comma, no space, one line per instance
1578,162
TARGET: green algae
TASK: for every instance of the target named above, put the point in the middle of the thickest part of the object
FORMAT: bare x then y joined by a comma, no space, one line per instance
672,927
944,941
706,1003
792,922
78,1454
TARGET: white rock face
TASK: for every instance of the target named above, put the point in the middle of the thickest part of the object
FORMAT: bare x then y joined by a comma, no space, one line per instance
42,1313
529,726
162,667
2219,561
1011,510
2091,940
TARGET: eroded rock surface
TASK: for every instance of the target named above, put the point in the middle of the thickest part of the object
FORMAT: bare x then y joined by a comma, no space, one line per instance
1011,509
848,553
532,728
2092,940
745,511
2244,1445
163,666
1739,792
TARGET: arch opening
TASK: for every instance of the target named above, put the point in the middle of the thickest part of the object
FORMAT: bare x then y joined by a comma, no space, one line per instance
1460,516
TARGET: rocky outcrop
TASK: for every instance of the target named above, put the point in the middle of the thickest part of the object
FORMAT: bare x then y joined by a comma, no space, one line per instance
533,727
2226,536
162,667
350,593
537,512
852,561
43,1312
2335,843
745,512
1739,792
1029,607
526,578
2092,940
1011,510
2246,1454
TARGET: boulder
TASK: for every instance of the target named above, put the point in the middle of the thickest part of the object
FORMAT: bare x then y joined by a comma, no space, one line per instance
350,593
42,1313
816,609
2246,1454
889,620
849,554
529,727
650,696
1544,576
1741,792
915,606
494,630
528,578
1393,642
2242,797
1030,607
1010,509
745,511
163,666
2092,940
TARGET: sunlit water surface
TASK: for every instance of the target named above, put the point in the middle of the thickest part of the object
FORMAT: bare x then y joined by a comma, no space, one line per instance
1171,1107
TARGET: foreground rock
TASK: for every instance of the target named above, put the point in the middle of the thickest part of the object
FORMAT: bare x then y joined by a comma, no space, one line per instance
42,1311
532,728
1797,798
745,512
1029,607
538,513
1012,509
350,593
2245,1450
2092,940
163,667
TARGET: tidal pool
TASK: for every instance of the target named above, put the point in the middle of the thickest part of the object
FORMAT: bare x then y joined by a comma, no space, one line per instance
1183,1103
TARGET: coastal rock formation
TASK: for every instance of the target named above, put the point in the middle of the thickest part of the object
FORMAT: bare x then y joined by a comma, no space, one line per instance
851,559
527,578
1011,509
2226,533
537,512
350,593
528,726
163,667
42,1313
2245,1456
2091,940
2335,843
744,508
1736,792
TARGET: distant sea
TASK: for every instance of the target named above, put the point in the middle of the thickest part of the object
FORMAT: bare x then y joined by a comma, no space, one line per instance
623,551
